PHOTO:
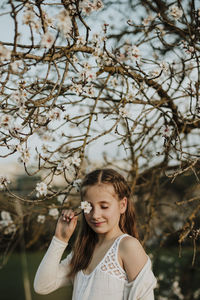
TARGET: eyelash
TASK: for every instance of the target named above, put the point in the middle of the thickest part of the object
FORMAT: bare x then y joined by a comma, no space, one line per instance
104,207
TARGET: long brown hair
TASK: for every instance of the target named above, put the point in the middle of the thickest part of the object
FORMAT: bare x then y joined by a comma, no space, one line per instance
87,238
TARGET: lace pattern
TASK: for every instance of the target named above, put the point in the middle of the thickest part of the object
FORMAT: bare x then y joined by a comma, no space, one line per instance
110,263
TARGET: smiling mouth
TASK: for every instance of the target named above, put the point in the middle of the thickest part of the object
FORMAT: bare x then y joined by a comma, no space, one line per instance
98,223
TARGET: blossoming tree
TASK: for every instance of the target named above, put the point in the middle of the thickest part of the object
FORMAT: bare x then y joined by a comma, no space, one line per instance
124,74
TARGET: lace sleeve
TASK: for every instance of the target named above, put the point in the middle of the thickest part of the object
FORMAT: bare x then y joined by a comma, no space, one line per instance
51,273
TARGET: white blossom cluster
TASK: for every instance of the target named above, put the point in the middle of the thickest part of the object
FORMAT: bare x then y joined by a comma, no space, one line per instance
86,207
87,74
4,181
124,113
88,6
41,219
5,53
77,184
62,21
53,212
41,189
69,163
177,290
6,223
166,131
175,12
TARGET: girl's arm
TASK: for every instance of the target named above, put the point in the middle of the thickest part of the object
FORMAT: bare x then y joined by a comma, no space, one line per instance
138,268
51,273
133,256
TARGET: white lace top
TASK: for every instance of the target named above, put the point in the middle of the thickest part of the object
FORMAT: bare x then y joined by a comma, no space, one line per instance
107,281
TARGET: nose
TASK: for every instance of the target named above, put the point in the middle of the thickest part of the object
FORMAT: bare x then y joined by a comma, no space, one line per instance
95,213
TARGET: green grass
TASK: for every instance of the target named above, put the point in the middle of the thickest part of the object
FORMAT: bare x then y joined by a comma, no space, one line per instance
11,280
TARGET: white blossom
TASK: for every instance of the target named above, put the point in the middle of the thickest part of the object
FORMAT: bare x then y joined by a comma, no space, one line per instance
88,75
48,20
147,20
7,223
80,40
164,66
37,25
64,22
47,137
41,219
19,148
16,129
196,294
114,82
28,17
177,290
53,212
134,52
155,73
5,215
64,164
175,12
4,181
86,7
15,66
190,50
42,119
54,114
47,40
89,90
25,155
166,131
97,4
77,88
76,159
5,53
124,113
61,198
6,121
11,228
86,207
130,96
77,184
19,98
41,189
45,148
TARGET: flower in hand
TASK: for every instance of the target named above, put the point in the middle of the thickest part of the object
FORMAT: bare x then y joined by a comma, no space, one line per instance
86,207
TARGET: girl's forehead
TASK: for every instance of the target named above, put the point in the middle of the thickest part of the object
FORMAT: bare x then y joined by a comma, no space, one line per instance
100,190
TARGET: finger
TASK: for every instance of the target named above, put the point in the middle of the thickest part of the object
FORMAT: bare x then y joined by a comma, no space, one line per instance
63,215
73,222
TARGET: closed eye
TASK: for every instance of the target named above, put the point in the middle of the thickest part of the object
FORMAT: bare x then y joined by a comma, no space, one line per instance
104,207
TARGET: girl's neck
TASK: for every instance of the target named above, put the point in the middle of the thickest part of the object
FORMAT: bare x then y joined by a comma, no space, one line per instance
104,238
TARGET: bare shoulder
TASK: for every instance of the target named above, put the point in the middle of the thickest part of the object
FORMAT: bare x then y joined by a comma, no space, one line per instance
132,255
129,243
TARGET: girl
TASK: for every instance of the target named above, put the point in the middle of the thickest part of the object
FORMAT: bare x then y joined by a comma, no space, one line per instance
108,261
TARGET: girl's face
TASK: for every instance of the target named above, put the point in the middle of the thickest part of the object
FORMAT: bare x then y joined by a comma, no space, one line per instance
106,208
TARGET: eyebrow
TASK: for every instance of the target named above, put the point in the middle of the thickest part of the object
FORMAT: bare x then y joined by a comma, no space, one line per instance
101,202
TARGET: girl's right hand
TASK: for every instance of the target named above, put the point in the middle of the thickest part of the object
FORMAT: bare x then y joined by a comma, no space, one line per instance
66,225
